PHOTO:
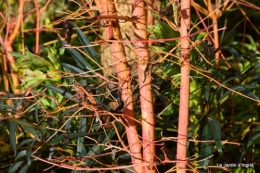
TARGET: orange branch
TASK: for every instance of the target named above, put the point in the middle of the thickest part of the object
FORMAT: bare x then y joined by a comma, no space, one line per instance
18,22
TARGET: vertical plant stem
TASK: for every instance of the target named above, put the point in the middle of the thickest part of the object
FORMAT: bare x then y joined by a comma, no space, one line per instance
214,19
149,13
38,14
185,87
150,20
144,75
8,47
124,82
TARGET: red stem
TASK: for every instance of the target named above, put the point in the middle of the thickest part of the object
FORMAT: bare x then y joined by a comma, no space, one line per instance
184,88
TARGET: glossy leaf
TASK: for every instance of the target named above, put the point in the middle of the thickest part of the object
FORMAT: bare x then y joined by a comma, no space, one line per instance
77,70
20,155
14,167
22,123
25,141
82,128
24,169
254,138
4,106
61,91
234,52
205,147
77,56
36,113
68,112
257,128
74,69
28,155
33,132
250,142
125,156
242,88
85,42
215,131
12,136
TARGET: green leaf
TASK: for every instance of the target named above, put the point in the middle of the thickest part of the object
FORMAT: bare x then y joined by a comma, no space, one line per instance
28,155
77,70
250,142
215,131
4,106
19,102
61,51
15,166
77,56
12,136
32,61
36,113
257,128
16,54
158,48
207,92
20,155
46,102
200,36
85,42
76,135
24,169
52,55
25,142
125,156
191,132
82,128
39,62
61,91
242,88
72,68
32,78
205,147
22,123
253,140
234,52
97,148
33,132
155,16
162,30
